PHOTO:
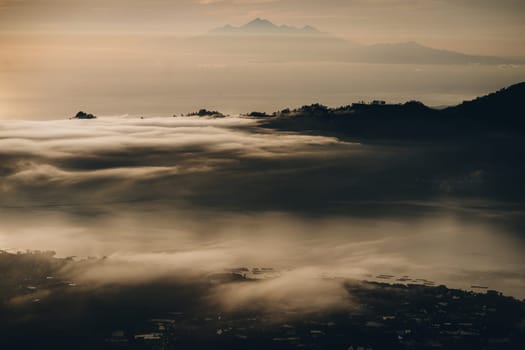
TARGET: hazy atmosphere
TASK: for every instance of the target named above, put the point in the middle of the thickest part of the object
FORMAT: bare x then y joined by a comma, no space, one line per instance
275,174
159,57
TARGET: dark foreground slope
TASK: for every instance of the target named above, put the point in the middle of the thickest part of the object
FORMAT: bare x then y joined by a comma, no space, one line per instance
42,307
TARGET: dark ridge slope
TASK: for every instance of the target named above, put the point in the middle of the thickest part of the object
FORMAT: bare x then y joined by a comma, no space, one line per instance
498,112
503,108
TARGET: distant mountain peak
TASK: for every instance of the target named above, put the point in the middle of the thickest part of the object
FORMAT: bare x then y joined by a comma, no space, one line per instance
309,28
264,26
259,22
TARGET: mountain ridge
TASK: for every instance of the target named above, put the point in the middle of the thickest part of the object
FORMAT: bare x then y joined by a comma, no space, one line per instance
497,113
508,100
264,27
413,52
287,42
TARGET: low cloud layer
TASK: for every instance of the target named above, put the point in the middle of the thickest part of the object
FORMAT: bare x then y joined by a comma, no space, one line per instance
186,198
124,159
231,164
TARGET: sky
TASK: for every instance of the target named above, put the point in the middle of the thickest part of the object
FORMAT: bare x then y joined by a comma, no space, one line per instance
131,57
473,26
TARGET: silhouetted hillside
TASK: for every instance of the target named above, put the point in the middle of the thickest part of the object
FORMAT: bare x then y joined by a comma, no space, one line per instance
84,115
503,109
497,112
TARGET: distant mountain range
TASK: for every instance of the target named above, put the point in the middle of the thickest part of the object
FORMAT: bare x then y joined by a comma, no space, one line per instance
264,27
266,40
412,52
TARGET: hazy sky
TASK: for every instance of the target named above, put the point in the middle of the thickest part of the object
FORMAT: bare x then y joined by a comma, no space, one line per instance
474,26
137,57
